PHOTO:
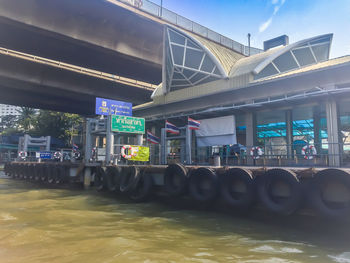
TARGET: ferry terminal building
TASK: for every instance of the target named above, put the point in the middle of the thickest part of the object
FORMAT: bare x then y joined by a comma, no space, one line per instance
284,99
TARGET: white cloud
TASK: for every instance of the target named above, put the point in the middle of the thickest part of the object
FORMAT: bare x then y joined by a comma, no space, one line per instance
275,10
277,5
265,25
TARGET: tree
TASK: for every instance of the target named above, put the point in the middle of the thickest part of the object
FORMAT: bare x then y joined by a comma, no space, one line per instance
8,124
26,119
58,125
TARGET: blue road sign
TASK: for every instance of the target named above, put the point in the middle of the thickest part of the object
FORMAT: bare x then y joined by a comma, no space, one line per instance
45,155
113,107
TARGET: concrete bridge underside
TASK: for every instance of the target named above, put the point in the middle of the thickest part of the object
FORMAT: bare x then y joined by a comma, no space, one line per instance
94,34
32,84
89,33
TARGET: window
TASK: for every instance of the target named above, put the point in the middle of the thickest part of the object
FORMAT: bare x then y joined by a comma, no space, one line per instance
187,62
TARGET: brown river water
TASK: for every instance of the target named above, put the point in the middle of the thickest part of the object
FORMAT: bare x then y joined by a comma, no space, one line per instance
61,225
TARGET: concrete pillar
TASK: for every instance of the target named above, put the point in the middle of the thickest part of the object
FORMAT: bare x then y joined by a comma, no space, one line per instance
188,145
289,133
317,123
250,123
117,147
152,148
333,133
109,139
139,139
87,178
26,140
163,150
48,143
88,141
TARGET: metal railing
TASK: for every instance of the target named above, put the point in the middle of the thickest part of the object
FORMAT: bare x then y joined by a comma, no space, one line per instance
190,25
283,155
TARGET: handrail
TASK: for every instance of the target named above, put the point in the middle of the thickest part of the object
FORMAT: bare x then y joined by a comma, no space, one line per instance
78,69
187,24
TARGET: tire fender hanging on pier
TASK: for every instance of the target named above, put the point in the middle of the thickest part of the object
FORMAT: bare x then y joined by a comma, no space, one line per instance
44,172
238,188
128,178
176,179
113,175
280,191
203,184
26,171
21,171
52,173
329,193
100,179
6,169
143,187
32,168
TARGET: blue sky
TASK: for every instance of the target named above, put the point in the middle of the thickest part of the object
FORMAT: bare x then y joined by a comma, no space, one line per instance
266,19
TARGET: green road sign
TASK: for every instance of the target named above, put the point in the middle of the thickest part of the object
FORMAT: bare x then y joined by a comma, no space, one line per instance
128,124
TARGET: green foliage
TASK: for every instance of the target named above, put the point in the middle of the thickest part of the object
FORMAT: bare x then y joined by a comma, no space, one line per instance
26,119
42,123
57,124
8,125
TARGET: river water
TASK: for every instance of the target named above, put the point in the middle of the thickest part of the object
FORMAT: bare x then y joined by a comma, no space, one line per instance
60,225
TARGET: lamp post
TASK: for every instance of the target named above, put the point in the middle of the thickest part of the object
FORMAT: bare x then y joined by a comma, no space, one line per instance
249,44
161,8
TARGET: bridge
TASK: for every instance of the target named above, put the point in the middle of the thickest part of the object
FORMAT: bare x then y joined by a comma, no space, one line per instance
60,55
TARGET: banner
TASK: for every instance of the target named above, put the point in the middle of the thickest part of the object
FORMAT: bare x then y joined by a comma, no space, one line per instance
217,131
141,154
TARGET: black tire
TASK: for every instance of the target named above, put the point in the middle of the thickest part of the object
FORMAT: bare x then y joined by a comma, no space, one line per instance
32,172
10,169
63,175
21,171
44,173
176,179
283,205
37,173
198,189
6,169
52,173
30,169
26,171
143,188
113,178
128,178
59,175
233,179
317,186
17,171
100,179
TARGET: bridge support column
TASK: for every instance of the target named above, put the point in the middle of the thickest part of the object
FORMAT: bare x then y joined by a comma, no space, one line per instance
139,139
250,123
87,178
289,133
109,140
188,145
163,149
333,133
88,140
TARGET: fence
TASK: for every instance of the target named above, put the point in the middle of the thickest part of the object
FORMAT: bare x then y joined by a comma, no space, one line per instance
315,155
189,25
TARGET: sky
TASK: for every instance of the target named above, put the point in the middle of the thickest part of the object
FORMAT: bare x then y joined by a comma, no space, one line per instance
266,19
